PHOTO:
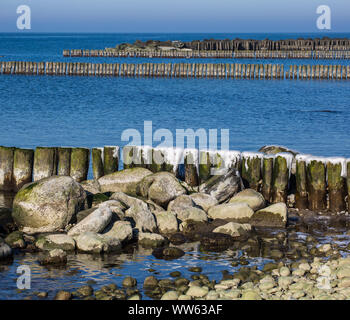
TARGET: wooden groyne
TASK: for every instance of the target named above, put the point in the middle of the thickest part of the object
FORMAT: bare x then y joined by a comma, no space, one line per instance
318,183
217,54
178,70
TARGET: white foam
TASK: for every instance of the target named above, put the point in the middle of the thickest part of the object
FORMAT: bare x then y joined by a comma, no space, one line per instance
251,155
289,159
339,160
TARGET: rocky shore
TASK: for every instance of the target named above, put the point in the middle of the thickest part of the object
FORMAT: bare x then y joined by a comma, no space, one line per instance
57,217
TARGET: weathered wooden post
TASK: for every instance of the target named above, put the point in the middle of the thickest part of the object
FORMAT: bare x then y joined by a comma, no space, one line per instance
204,168
280,178
301,196
45,163
336,173
97,163
191,167
64,156
22,167
251,169
111,155
348,181
267,171
6,168
316,182
79,164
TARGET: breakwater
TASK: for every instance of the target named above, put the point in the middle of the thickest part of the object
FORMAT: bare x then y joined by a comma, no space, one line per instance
178,70
319,184
204,54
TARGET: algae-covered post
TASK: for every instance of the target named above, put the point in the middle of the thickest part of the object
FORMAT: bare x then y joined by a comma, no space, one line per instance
267,170
111,155
45,162
191,167
336,172
301,197
316,182
280,178
79,165
22,167
6,168
348,181
64,155
251,169
97,163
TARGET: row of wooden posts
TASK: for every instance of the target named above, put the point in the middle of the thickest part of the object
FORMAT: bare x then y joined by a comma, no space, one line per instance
224,54
178,70
319,184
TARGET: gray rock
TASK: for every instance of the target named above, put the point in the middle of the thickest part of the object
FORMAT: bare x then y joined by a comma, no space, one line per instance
15,240
95,222
192,214
5,250
56,256
180,203
56,241
167,222
223,187
161,187
96,243
48,205
91,186
252,198
239,211
124,180
151,240
234,229
203,200
121,230
272,216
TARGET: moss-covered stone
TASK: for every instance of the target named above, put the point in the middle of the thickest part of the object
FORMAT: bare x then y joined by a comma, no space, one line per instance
15,240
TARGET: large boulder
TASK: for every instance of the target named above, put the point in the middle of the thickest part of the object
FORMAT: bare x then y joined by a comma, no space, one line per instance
182,202
138,211
223,187
203,200
167,222
96,221
121,230
151,240
93,242
5,250
123,181
56,241
47,205
192,214
234,229
239,212
272,216
161,187
252,198
144,219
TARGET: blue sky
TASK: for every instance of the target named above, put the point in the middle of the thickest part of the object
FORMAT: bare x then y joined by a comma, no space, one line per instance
175,16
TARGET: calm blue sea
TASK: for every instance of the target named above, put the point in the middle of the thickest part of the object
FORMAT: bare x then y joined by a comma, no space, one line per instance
81,111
